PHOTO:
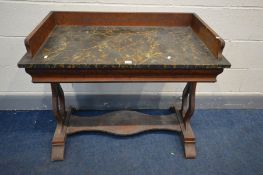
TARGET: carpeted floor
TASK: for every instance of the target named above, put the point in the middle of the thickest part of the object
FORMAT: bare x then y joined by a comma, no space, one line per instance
228,142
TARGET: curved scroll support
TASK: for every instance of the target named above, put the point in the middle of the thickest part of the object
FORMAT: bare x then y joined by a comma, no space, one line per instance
188,101
185,114
56,102
59,139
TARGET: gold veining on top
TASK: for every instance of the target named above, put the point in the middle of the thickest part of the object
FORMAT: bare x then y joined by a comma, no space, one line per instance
70,46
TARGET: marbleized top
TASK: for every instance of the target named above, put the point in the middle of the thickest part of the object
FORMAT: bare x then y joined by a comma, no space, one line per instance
123,47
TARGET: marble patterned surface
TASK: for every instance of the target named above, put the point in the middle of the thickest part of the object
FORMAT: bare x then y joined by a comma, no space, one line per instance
129,47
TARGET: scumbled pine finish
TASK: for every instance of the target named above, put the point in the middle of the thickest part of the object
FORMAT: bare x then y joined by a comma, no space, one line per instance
122,46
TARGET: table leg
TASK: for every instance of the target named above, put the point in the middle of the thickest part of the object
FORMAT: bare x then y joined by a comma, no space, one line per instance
187,110
58,105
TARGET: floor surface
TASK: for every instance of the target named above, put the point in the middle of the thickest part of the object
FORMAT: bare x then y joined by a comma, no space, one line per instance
228,142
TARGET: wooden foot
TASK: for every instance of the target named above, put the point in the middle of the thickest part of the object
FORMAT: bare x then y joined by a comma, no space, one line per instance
57,151
189,150
188,138
58,142
189,141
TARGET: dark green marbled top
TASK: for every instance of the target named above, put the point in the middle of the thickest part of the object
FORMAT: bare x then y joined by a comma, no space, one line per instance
125,47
